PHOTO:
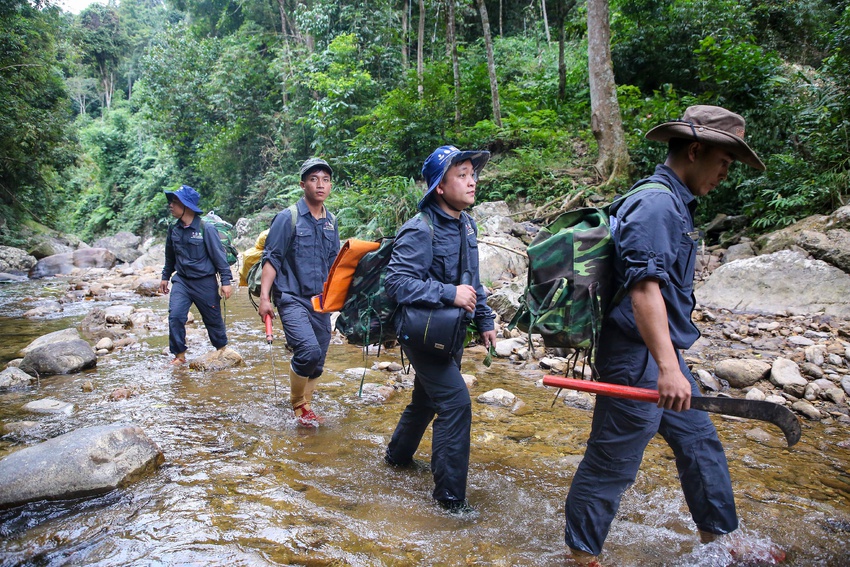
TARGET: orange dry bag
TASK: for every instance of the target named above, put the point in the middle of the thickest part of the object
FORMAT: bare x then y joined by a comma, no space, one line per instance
336,287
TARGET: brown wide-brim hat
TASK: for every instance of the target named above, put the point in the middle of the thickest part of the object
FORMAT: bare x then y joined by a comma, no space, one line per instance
711,125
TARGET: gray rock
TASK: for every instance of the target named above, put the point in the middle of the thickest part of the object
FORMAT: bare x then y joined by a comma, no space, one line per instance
738,252
507,347
832,247
496,263
12,378
785,372
118,314
505,300
707,381
125,246
15,260
756,394
806,409
834,395
65,357
87,461
741,373
49,405
812,370
845,384
498,397
62,336
800,341
782,281
65,263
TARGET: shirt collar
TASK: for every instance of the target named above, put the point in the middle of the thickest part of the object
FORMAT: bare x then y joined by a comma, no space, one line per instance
676,184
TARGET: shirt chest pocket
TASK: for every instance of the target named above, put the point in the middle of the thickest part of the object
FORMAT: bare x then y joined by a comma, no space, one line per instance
445,264
686,259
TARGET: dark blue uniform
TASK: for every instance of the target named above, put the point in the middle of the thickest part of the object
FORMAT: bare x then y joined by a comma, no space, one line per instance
654,238
425,270
196,254
302,259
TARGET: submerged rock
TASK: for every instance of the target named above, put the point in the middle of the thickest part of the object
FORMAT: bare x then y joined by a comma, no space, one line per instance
88,461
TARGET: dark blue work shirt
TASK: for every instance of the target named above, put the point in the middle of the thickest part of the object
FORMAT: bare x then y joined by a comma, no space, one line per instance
654,237
426,269
301,259
195,251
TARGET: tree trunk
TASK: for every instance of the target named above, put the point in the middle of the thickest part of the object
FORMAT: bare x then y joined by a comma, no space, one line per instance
545,22
452,48
605,118
491,64
287,25
405,33
562,8
420,60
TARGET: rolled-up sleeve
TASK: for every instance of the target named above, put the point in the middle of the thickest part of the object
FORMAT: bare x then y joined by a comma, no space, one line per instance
408,273
649,229
278,240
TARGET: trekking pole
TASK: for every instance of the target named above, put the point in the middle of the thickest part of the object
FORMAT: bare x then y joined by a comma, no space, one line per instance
269,336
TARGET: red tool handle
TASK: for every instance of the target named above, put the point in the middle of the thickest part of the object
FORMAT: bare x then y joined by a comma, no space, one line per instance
269,332
603,388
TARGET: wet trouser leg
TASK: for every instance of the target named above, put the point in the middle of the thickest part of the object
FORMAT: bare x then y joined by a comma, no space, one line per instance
203,292
620,431
438,389
205,296
308,334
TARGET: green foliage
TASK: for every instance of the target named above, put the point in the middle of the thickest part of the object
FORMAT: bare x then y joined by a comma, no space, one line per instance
376,207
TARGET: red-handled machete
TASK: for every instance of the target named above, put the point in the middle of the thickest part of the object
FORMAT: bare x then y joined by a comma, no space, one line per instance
778,415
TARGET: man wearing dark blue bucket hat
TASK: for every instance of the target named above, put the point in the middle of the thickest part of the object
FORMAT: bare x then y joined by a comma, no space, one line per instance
194,251
428,269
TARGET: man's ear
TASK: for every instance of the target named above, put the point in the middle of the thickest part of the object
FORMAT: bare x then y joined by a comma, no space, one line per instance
694,150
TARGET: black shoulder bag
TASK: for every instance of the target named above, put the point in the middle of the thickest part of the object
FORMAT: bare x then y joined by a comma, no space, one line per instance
439,331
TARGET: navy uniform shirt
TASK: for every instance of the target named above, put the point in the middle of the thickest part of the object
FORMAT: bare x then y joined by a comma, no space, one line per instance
302,260
654,237
195,253
426,270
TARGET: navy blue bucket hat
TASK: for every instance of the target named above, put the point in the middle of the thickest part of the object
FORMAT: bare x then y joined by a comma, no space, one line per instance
186,195
439,162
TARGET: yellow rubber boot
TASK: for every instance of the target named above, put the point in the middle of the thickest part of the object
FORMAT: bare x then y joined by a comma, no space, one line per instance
297,392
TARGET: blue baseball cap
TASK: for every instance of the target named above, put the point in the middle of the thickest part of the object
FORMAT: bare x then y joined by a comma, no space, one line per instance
186,195
439,162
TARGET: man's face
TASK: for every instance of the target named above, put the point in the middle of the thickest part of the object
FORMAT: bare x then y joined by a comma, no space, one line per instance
175,207
316,186
709,168
458,185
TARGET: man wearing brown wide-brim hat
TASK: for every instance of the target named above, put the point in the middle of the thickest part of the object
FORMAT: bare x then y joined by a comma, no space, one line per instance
642,336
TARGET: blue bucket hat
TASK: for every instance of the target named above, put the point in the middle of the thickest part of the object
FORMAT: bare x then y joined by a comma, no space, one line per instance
188,196
439,162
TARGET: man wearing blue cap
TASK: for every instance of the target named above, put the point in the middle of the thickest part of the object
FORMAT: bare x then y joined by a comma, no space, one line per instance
194,250
427,269
296,261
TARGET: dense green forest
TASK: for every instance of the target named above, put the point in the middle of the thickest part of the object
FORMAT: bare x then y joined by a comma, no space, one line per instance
103,110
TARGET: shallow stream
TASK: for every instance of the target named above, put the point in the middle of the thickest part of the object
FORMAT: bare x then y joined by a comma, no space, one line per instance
242,485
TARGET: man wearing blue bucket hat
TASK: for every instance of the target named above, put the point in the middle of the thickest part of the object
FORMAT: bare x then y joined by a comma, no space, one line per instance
428,269
194,251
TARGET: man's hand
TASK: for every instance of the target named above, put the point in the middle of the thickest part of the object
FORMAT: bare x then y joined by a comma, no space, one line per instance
163,287
265,308
488,338
227,291
674,390
466,298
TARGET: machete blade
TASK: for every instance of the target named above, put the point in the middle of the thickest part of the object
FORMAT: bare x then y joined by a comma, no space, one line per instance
776,414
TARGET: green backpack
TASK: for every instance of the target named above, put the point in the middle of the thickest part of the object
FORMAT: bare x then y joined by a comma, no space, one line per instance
225,232
366,317
570,279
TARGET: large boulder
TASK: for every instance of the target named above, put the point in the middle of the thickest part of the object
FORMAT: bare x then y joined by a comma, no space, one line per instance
501,258
153,256
15,260
88,461
784,281
68,334
832,247
125,246
66,357
13,378
65,263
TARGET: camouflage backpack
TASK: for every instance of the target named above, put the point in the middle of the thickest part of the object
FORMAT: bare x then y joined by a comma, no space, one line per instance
570,279
225,232
366,317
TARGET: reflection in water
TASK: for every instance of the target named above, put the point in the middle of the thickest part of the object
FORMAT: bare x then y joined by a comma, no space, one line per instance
243,486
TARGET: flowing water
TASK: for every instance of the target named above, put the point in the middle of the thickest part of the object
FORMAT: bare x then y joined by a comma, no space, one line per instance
242,485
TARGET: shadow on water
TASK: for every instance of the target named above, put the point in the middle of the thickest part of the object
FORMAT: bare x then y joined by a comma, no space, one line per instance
243,486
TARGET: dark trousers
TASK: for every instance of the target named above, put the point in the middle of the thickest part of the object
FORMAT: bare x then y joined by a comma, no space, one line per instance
619,435
203,292
308,334
438,389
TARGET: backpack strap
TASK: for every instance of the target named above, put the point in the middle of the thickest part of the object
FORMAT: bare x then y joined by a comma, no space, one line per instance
293,213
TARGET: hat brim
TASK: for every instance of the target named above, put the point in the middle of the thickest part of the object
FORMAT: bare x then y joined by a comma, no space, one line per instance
479,159
736,146
172,195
